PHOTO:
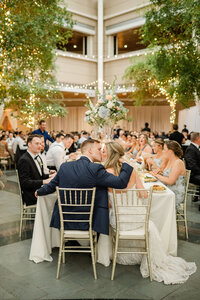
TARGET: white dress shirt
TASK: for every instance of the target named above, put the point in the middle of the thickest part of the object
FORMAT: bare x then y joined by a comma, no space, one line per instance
19,141
44,160
56,155
37,162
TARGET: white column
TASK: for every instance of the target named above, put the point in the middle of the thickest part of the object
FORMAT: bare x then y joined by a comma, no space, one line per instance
100,46
110,43
90,40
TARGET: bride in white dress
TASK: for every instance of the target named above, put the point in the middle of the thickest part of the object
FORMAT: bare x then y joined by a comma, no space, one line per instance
166,268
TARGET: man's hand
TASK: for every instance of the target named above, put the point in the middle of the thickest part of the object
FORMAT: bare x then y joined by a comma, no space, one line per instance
52,172
45,181
36,195
73,155
52,175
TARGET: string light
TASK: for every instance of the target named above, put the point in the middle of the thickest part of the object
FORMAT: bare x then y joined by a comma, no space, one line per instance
92,86
172,104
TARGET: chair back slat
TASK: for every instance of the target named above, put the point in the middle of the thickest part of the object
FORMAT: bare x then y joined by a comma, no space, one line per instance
132,208
75,205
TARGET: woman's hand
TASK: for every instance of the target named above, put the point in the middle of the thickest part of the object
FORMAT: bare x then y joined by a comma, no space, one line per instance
154,173
157,171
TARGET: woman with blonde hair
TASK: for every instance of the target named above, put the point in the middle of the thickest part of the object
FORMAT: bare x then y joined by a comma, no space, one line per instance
111,154
157,162
145,149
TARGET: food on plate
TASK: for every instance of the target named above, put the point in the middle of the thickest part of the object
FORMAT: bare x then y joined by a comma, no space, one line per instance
157,187
149,179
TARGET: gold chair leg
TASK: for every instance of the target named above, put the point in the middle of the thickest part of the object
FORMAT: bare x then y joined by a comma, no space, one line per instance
186,228
114,258
63,258
93,258
95,248
149,265
20,227
59,258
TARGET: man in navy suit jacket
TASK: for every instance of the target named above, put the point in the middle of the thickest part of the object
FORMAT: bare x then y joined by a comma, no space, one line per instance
192,158
84,173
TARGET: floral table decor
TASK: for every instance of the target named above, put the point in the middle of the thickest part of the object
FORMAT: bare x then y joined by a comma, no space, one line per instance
105,112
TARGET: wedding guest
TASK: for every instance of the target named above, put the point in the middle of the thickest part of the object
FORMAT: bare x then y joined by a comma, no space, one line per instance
41,131
31,174
192,159
185,129
115,136
176,135
174,173
157,162
19,146
84,137
146,128
75,146
144,148
4,152
10,141
101,136
129,141
187,140
135,147
122,140
56,154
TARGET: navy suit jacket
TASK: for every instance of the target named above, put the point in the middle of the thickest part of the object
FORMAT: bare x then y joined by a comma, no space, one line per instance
192,159
85,174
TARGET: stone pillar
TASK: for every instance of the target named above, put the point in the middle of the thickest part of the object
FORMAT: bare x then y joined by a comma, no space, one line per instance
100,46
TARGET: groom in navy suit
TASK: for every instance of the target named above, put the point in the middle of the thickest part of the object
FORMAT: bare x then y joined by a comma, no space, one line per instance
84,173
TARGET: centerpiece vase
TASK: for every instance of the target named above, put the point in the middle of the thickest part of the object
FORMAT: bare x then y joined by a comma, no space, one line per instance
108,131
95,131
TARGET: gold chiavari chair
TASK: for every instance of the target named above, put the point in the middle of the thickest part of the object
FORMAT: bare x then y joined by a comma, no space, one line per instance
26,212
132,209
75,208
181,215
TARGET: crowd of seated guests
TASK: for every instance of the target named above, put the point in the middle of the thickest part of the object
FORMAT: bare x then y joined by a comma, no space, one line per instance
147,147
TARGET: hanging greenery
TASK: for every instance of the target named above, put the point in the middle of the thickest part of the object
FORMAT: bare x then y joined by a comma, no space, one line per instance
29,32
172,30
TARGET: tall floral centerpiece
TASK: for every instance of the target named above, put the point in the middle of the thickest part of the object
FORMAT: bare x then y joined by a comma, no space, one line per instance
104,112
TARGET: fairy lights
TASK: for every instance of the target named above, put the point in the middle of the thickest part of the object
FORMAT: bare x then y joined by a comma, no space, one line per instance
172,104
93,86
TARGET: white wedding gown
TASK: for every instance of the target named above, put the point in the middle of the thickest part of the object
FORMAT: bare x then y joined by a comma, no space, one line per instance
166,268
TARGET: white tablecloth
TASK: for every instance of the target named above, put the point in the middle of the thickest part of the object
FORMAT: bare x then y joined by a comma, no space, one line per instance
44,237
163,214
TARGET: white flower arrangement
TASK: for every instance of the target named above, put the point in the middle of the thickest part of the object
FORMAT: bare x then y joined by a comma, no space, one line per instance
106,110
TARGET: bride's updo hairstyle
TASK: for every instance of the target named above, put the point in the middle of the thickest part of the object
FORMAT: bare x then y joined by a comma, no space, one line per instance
114,152
175,147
